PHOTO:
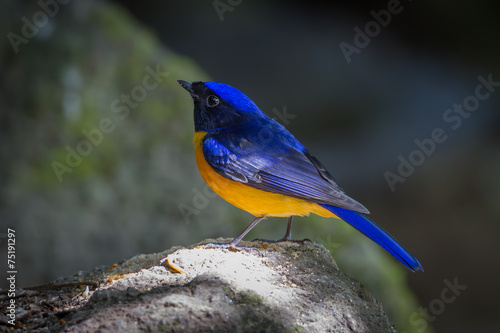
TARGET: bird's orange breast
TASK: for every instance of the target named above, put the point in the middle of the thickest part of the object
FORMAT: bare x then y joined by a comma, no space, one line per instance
252,200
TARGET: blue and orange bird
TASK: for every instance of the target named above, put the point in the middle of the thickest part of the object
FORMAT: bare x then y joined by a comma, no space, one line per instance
254,163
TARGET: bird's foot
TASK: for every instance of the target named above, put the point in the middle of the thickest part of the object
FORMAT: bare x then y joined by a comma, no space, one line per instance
230,246
284,239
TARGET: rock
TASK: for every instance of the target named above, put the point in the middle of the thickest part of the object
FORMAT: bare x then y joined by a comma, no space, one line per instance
284,287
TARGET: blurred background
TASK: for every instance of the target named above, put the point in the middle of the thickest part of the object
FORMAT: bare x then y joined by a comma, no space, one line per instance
97,163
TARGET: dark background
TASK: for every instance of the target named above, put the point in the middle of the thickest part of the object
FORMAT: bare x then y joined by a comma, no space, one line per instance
357,118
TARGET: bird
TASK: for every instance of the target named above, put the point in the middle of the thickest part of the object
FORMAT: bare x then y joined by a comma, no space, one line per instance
257,165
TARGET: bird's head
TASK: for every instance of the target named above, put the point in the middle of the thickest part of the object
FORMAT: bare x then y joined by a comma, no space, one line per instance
218,105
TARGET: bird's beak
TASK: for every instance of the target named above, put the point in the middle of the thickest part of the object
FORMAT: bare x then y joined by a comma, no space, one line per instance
187,85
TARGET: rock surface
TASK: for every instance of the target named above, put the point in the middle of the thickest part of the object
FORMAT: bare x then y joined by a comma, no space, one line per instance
284,287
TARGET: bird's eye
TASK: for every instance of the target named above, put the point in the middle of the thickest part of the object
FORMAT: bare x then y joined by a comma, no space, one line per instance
213,101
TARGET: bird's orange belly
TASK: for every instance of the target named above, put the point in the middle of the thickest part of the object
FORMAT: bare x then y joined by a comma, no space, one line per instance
252,200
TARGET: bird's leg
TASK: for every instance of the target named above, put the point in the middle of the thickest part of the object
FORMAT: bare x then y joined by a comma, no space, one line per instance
287,237
233,245
235,241
288,234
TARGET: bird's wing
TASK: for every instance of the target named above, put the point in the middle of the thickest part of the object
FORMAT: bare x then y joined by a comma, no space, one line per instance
272,160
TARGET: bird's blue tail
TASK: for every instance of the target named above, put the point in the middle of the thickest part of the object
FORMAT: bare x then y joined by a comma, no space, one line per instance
376,234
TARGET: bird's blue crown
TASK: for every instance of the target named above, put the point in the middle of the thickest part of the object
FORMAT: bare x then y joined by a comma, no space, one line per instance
233,96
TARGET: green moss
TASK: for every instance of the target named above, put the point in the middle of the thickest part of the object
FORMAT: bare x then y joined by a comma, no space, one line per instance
248,298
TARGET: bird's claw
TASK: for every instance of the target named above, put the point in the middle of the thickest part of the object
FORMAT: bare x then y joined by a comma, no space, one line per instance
228,246
284,239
